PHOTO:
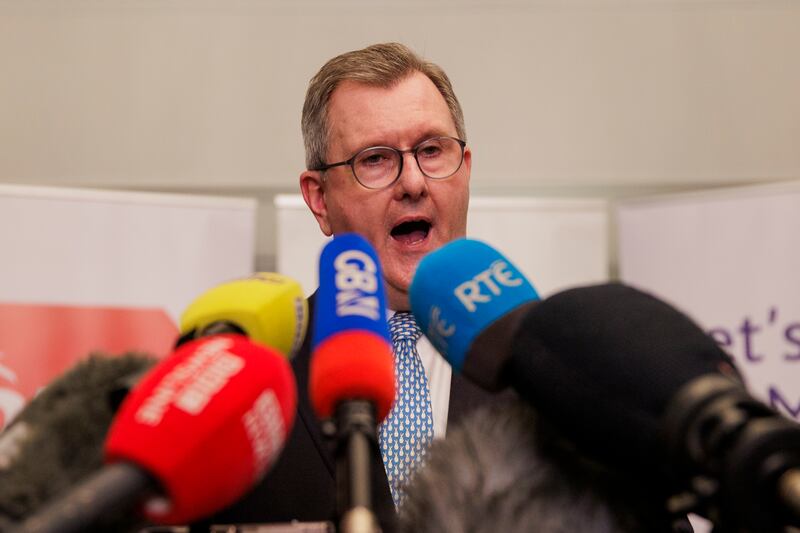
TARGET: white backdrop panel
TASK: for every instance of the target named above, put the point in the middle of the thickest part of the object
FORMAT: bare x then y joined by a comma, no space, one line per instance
91,247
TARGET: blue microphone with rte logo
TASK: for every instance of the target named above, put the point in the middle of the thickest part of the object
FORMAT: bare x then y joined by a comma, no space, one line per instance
458,293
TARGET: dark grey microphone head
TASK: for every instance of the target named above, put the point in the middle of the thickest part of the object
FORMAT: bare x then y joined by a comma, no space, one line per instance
57,439
603,363
503,469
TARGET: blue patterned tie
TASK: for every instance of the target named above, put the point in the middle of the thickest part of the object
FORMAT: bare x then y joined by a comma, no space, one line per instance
407,431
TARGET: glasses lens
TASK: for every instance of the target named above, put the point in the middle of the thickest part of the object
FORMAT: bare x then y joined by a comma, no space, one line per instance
440,157
376,167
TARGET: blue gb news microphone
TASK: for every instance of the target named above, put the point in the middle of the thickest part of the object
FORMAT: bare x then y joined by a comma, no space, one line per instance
351,374
631,381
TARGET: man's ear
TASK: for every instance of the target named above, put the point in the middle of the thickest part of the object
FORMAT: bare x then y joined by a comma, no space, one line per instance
468,162
313,189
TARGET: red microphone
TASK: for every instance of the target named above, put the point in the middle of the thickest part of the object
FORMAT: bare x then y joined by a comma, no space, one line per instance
196,433
352,364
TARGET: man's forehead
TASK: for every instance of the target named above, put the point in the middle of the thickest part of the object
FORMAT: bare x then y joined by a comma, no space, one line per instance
410,110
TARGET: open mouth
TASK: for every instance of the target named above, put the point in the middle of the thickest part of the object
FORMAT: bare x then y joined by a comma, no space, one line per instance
411,231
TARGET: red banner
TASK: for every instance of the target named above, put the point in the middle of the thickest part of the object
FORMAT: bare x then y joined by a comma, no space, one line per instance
40,342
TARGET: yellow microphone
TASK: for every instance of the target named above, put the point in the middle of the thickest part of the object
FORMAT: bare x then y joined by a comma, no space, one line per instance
268,308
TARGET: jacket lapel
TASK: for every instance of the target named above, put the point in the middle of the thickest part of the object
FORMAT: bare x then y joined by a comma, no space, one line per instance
301,364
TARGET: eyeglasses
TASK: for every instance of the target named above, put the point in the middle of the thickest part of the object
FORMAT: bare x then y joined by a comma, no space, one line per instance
380,166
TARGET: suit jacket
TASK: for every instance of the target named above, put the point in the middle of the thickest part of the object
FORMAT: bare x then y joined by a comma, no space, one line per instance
302,483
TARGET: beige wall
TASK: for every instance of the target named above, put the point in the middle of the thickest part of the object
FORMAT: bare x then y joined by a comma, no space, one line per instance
562,97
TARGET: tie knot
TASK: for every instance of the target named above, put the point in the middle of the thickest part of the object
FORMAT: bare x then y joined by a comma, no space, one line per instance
402,326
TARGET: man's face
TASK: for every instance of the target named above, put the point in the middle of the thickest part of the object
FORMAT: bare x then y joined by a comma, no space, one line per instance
413,216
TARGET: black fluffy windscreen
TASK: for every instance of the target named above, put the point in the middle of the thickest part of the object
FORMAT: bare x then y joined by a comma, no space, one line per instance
602,363
57,439
502,469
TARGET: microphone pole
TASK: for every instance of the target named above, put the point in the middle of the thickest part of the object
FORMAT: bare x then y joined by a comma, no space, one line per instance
107,491
355,423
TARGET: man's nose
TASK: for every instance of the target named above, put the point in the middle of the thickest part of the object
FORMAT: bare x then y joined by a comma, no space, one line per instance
412,182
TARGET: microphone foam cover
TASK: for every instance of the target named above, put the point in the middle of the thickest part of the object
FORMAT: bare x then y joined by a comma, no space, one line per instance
270,309
206,423
462,288
604,361
352,365
57,439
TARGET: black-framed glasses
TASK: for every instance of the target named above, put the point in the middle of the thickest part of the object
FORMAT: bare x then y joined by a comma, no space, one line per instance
378,167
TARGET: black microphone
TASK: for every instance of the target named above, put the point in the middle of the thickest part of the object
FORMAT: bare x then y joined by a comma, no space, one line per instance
628,378
57,439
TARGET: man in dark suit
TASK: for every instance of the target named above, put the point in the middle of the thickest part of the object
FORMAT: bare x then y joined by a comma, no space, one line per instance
386,157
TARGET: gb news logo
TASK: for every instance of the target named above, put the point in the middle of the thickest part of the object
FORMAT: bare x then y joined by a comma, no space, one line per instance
356,285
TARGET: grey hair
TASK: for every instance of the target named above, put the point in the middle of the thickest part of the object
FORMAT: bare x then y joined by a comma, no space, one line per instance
494,473
379,65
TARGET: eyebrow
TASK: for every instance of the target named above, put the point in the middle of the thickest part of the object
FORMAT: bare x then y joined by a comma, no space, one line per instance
429,134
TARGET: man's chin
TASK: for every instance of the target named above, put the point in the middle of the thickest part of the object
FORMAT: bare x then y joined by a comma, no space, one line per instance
398,272
397,292
397,301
